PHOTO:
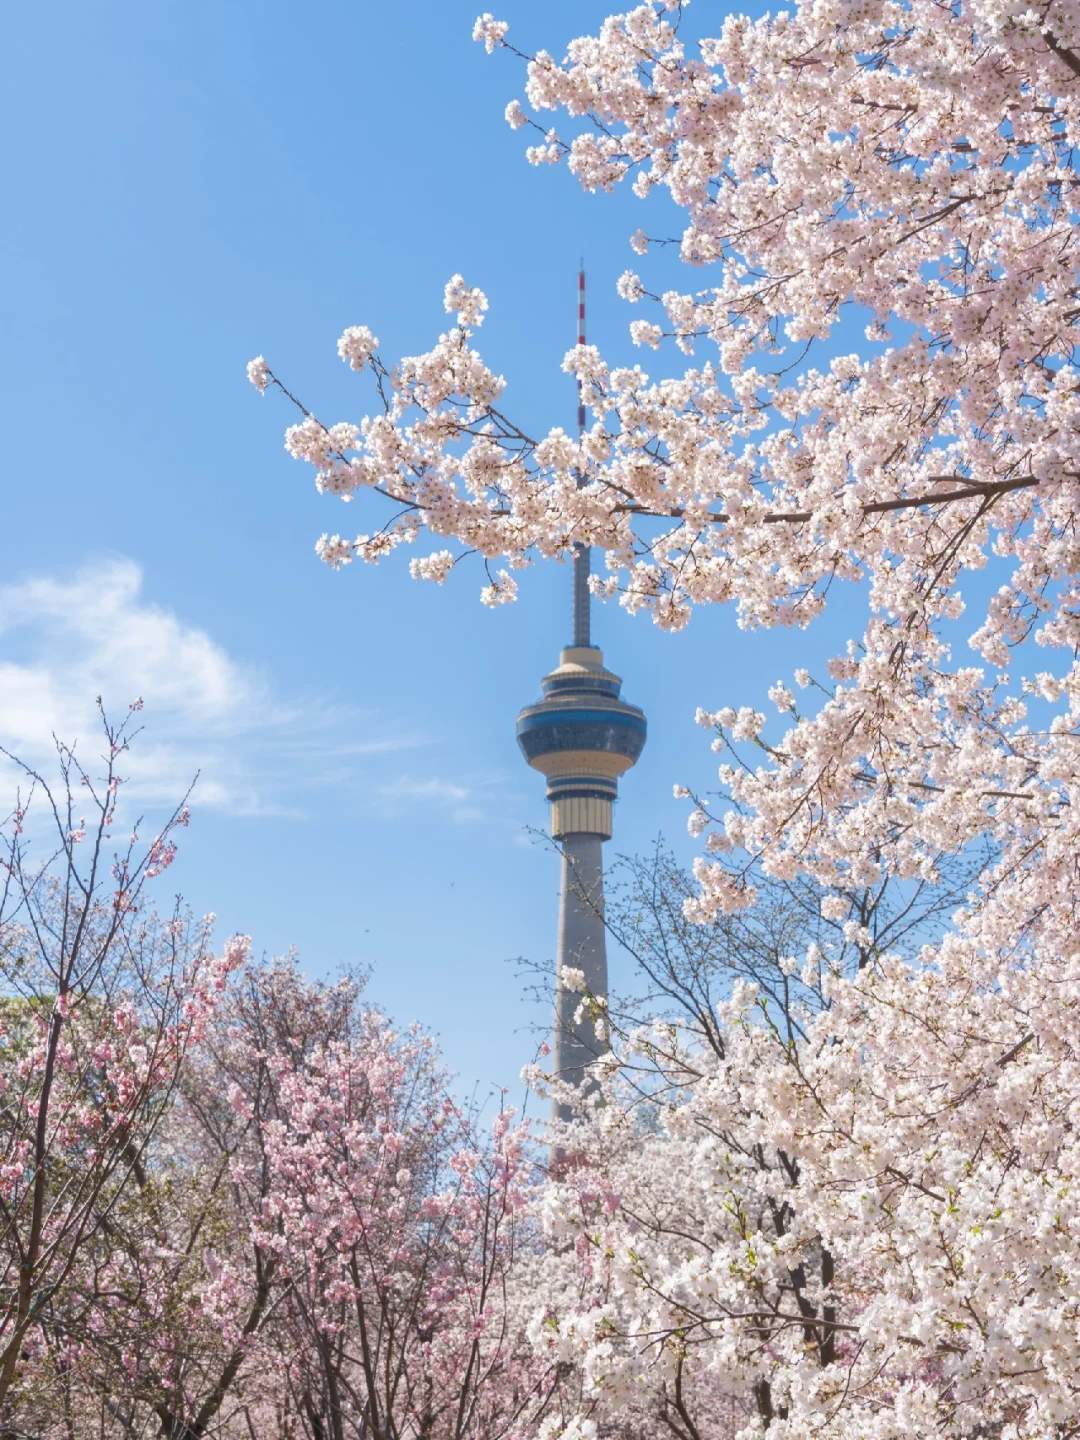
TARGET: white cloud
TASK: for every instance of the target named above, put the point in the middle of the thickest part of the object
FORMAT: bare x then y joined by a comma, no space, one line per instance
463,802
94,633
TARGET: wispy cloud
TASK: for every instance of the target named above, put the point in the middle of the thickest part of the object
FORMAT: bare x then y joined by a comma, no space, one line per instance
464,801
63,642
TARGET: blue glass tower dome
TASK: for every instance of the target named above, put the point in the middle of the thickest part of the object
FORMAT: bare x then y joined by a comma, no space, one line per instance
581,737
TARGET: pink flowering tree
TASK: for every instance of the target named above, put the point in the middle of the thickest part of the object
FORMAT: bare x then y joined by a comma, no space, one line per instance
234,1201
398,1228
100,1003
320,1242
876,382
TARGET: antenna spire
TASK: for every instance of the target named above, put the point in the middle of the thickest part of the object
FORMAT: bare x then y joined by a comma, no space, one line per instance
582,558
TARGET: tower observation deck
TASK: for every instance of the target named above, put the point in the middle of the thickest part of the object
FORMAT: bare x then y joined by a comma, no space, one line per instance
582,736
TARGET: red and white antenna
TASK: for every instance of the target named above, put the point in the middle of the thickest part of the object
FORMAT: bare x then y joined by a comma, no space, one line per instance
582,559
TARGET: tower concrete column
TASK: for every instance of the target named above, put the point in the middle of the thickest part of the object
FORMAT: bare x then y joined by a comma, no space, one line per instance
582,945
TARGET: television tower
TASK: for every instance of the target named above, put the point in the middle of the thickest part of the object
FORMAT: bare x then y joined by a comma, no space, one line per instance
581,737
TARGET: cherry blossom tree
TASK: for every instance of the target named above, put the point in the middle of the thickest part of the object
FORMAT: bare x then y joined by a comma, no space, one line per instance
101,1003
817,166
317,1242
399,1229
831,1198
886,398
387,1222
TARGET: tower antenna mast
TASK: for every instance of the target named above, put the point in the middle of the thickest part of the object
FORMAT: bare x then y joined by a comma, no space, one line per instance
582,554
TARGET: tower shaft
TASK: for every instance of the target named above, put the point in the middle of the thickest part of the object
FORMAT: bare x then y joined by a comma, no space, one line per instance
582,945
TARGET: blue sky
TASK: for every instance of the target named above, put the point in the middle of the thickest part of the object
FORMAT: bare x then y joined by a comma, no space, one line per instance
189,185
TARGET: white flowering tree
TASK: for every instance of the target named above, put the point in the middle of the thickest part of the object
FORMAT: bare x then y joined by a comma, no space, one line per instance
904,173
